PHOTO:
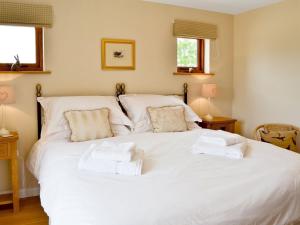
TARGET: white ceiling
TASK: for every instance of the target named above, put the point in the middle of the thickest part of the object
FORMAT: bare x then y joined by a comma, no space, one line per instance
224,6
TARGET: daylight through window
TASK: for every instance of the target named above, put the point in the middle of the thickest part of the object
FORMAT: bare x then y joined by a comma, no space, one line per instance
26,42
193,55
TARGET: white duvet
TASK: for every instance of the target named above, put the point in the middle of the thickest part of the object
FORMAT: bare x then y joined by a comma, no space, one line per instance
176,188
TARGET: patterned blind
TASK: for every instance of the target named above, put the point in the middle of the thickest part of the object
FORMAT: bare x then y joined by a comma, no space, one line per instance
26,14
191,29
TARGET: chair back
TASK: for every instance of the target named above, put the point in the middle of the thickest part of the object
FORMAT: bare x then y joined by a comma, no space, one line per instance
277,127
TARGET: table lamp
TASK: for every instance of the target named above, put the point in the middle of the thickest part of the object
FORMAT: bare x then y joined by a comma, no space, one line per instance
209,91
7,96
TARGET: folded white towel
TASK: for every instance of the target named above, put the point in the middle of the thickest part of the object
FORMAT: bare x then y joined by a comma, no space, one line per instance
133,168
107,150
221,137
236,151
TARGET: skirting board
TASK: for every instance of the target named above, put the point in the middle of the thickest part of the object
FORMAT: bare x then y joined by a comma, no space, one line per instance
25,193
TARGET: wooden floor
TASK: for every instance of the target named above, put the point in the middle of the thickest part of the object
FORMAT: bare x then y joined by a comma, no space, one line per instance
31,213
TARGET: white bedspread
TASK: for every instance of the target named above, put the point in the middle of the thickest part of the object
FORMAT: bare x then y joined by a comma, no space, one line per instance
176,188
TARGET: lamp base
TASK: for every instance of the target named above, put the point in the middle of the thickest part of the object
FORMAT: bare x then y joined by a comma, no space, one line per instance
4,132
208,117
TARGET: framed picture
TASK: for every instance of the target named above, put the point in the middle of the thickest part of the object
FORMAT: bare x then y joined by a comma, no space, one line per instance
117,54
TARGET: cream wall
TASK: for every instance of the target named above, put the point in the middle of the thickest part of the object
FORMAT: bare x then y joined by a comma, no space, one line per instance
267,65
72,52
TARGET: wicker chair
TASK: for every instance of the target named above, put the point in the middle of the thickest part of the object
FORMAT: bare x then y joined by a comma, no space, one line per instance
277,127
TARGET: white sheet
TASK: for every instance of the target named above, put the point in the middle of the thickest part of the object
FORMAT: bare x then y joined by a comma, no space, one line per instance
176,188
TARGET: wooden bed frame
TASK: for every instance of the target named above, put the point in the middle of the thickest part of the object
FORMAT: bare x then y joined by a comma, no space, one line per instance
120,90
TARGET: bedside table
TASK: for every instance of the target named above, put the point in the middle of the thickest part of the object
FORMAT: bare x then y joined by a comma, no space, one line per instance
219,123
8,151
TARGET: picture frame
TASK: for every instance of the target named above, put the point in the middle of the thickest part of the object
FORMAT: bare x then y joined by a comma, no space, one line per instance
117,54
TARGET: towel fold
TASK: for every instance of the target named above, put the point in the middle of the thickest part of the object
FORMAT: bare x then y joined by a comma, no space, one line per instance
133,168
107,150
221,138
236,151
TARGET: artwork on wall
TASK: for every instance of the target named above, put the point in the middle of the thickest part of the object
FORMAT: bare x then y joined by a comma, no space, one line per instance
118,54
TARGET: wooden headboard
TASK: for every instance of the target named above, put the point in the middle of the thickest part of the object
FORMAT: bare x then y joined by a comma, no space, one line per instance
120,90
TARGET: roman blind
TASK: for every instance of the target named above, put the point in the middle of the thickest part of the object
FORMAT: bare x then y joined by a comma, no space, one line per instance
26,14
191,29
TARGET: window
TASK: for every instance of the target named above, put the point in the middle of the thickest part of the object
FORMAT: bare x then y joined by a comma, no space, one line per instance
193,55
26,42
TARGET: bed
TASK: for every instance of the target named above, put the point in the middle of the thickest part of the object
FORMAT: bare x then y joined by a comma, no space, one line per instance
176,188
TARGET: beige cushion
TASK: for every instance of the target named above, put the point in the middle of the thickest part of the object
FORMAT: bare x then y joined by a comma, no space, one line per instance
167,119
283,139
89,124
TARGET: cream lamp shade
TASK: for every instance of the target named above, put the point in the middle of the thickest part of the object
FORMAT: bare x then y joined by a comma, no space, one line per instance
7,95
209,90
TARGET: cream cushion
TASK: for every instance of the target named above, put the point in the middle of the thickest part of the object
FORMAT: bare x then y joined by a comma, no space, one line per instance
89,124
167,119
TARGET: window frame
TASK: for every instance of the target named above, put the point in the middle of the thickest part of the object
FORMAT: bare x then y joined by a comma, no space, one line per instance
39,65
200,59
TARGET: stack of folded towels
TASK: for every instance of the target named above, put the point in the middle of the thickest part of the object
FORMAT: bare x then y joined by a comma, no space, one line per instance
221,143
113,158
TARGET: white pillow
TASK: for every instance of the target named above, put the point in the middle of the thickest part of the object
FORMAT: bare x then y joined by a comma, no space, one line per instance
54,108
120,130
136,107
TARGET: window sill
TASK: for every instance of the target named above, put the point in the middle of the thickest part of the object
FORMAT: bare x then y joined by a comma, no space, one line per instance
26,72
189,74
